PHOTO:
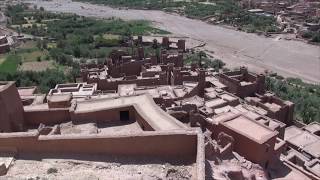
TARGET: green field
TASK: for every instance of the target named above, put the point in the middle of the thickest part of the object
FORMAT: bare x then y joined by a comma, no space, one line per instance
10,64
2,58
305,96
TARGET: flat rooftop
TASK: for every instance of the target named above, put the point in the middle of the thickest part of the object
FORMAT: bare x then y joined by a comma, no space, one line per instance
303,139
59,97
154,69
291,132
250,128
143,104
228,97
313,128
196,100
215,103
273,106
245,83
26,91
313,149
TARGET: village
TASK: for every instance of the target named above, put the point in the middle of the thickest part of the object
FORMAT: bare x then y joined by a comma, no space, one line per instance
157,106
82,98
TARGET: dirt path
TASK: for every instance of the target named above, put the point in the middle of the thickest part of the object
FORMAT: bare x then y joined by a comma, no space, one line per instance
287,58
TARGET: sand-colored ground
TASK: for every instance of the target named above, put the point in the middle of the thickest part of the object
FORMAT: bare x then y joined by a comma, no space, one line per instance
288,58
94,167
116,127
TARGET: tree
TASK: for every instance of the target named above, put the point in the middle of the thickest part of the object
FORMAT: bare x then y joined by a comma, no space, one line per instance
45,44
201,55
155,44
39,46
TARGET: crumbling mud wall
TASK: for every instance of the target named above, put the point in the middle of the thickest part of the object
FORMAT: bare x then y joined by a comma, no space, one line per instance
258,152
105,84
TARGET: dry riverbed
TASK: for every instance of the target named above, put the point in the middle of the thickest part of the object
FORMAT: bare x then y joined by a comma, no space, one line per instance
287,58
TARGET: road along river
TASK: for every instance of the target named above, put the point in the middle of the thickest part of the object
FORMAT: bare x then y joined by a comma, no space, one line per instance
287,58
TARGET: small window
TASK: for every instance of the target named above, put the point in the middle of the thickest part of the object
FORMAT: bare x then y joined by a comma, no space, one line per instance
124,116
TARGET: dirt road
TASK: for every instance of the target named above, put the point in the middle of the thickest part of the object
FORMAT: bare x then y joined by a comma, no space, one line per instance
288,58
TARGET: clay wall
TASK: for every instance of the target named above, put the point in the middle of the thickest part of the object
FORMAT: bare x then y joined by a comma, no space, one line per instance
140,53
149,74
85,72
4,119
232,85
285,114
47,117
105,84
190,78
247,90
235,87
181,44
104,115
12,108
290,117
201,82
165,42
3,40
4,48
177,60
144,144
143,123
129,68
250,77
261,153
176,77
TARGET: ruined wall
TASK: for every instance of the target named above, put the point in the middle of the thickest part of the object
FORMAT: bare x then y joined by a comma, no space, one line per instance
235,87
284,114
247,90
11,108
177,60
181,44
129,68
232,85
201,82
104,84
250,149
176,77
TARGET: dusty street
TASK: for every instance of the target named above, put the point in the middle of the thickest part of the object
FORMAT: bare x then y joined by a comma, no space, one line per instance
287,58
